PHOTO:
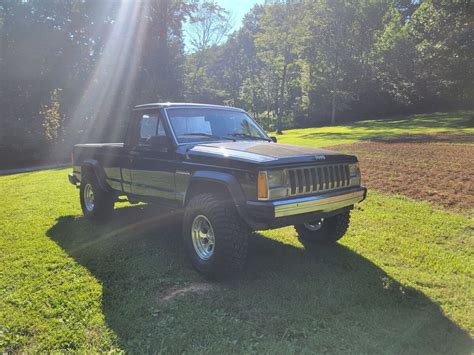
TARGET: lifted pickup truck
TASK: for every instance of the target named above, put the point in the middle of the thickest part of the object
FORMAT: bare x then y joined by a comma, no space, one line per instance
227,176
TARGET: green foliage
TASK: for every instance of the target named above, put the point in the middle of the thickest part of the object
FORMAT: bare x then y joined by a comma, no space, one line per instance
90,51
392,56
275,49
52,117
210,24
314,60
291,64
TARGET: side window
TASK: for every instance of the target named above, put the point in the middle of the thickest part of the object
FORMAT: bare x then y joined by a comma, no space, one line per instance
150,125
148,128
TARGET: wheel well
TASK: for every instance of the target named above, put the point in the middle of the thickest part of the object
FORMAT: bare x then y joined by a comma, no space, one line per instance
204,186
89,169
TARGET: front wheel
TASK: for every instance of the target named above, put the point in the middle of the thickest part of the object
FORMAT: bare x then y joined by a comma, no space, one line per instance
215,237
96,203
324,230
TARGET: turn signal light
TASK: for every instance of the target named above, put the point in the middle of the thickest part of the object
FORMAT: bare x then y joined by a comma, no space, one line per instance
262,186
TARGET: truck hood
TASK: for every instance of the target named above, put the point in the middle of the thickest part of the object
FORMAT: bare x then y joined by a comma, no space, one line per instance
266,153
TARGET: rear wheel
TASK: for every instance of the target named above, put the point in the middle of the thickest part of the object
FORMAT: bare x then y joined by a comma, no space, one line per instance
324,230
96,203
215,237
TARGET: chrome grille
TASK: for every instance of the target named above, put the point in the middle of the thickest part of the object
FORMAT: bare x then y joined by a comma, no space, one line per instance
318,178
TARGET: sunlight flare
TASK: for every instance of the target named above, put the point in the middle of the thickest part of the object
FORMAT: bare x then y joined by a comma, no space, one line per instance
112,82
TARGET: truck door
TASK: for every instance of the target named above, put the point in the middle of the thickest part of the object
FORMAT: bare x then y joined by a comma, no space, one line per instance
152,169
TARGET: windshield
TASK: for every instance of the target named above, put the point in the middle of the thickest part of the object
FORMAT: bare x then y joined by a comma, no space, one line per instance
206,124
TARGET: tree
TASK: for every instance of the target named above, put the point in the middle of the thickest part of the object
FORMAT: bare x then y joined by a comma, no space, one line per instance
330,50
52,118
44,46
275,44
104,56
292,63
444,40
209,25
393,56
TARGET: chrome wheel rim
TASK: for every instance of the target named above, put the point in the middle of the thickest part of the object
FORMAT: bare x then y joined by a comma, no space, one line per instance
203,237
314,226
89,197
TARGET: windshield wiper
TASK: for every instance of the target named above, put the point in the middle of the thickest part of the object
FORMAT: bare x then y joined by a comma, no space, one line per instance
245,135
207,135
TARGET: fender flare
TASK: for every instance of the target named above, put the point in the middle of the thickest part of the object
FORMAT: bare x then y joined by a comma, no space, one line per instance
228,181
98,171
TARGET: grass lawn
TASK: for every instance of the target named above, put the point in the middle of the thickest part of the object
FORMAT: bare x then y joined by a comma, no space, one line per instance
450,123
400,281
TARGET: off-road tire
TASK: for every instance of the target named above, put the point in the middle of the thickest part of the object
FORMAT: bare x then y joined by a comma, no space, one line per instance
332,229
103,201
230,233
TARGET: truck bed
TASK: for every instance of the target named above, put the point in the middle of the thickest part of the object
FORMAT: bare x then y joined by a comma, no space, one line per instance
109,156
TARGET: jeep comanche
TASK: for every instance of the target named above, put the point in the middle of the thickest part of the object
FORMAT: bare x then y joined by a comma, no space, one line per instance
225,174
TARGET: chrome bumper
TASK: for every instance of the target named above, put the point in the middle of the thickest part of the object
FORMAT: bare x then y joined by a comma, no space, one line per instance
322,203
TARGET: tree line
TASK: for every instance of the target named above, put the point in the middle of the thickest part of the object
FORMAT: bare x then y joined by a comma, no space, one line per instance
71,69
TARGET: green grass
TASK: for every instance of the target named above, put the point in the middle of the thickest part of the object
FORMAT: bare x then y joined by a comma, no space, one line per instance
454,123
400,281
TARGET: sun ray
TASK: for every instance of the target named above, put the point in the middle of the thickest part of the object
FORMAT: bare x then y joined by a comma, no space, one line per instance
110,86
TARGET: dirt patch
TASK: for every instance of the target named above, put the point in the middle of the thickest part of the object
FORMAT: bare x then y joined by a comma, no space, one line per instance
197,288
442,174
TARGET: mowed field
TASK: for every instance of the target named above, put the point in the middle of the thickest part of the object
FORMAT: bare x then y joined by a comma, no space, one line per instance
400,281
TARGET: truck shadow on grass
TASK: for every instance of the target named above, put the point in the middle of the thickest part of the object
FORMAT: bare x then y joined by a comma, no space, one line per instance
287,300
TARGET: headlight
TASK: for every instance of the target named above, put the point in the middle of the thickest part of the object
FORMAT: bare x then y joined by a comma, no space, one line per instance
272,184
276,178
354,173
354,169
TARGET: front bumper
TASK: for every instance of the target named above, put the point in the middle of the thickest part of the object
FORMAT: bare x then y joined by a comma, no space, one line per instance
322,203
274,214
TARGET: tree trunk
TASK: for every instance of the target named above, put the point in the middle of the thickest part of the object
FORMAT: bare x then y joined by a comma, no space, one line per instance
335,75
268,118
268,104
281,97
333,107
334,89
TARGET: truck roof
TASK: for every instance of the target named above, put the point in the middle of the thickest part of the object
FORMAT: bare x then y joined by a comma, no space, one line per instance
182,104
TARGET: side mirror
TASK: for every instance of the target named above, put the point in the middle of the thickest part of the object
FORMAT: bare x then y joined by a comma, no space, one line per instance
274,139
159,142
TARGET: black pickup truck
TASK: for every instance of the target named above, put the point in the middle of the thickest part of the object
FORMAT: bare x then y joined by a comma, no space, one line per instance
226,175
